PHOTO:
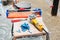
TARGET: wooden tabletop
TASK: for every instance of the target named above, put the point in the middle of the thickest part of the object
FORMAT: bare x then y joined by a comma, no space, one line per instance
33,30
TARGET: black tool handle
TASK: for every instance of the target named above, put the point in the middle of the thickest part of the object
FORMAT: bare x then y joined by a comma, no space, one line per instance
55,7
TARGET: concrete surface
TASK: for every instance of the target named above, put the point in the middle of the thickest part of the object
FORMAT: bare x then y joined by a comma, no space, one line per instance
52,22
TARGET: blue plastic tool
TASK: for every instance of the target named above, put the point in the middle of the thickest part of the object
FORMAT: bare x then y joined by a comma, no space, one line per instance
7,12
38,10
25,27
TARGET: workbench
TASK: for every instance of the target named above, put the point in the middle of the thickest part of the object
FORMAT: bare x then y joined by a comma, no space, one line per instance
33,32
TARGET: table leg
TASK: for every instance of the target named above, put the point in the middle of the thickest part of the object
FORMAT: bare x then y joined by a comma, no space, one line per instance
14,38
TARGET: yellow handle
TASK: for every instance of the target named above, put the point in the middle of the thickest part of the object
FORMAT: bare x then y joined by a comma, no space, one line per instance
37,25
40,27
34,21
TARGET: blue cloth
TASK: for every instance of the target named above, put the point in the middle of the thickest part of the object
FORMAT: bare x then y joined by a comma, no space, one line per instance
25,27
